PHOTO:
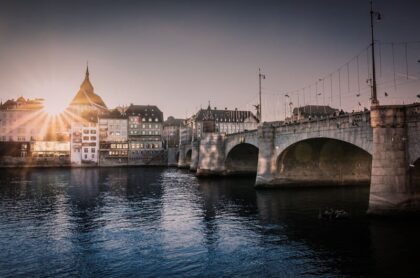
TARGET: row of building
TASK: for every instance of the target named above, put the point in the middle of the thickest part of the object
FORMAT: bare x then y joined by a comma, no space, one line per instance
88,133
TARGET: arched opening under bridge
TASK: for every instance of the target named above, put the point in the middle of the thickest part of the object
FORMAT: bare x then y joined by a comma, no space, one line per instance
324,161
242,160
188,157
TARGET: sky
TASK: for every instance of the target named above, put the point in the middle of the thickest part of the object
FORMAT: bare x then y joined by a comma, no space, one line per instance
181,55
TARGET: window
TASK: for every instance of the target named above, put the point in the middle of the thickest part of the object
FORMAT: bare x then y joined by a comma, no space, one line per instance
92,150
156,120
93,132
86,138
93,138
150,119
85,150
93,156
85,156
85,131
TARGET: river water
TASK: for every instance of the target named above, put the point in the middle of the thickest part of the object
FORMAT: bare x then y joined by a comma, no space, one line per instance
156,222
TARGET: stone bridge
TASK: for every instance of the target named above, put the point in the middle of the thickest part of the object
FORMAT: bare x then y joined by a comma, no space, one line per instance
379,148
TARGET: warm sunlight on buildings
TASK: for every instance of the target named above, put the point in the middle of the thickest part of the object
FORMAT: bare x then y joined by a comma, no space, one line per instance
53,106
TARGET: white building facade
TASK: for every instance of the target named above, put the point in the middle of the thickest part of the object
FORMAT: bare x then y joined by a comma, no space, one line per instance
84,143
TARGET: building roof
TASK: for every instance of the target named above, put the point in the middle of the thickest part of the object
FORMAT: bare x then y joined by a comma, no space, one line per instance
223,115
171,121
86,95
145,111
22,104
314,110
113,114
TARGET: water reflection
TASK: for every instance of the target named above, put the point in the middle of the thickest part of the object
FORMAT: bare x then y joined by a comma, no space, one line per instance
165,222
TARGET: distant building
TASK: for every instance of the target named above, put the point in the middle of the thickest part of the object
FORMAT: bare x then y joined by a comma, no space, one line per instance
145,124
50,151
313,112
222,121
113,138
22,120
84,143
86,102
171,131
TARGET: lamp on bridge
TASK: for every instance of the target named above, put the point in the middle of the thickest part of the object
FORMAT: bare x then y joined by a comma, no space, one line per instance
377,15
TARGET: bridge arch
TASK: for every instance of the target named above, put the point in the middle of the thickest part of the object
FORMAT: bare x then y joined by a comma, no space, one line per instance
323,161
242,159
188,155
177,157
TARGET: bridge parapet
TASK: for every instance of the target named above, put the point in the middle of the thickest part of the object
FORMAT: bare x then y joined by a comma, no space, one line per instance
347,120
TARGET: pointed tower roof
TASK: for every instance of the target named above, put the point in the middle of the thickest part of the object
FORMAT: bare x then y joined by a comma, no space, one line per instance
86,85
86,94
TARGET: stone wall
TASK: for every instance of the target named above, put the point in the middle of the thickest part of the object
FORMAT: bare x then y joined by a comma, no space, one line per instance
392,191
212,156
173,156
195,154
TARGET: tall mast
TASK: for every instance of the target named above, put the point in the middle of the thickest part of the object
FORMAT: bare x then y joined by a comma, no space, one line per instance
374,92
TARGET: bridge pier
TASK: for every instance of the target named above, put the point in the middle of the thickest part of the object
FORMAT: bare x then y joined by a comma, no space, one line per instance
195,150
392,191
182,160
266,169
211,160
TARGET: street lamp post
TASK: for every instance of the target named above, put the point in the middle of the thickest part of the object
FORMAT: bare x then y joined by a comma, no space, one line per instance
374,90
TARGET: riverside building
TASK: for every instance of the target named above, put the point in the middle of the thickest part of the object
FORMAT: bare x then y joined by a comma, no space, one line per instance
222,121
84,143
145,124
113,137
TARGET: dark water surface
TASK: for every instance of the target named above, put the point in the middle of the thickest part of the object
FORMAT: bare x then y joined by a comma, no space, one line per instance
142,222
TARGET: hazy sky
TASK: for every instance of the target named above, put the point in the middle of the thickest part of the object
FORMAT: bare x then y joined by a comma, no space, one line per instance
181,54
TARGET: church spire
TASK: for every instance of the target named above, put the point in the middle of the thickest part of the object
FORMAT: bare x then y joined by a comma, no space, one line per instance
86,85
87,70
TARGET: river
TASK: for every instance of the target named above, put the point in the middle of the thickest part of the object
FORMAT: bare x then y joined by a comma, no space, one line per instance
160,222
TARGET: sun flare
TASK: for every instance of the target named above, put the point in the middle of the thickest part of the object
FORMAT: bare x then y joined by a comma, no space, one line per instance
52,108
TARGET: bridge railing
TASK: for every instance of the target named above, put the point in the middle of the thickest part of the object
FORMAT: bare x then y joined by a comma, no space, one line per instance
249,132
346,120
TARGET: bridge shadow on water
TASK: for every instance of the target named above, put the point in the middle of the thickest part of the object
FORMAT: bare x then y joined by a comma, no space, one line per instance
357,246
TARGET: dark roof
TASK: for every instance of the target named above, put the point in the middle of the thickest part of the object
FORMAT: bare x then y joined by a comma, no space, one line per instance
113,114
223,115
171,121
145,111
314,110
86,95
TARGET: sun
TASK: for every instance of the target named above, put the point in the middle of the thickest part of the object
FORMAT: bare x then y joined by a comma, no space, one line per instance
52,108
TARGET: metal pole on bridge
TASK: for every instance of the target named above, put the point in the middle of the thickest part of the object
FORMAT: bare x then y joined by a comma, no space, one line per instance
378,17
260,76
